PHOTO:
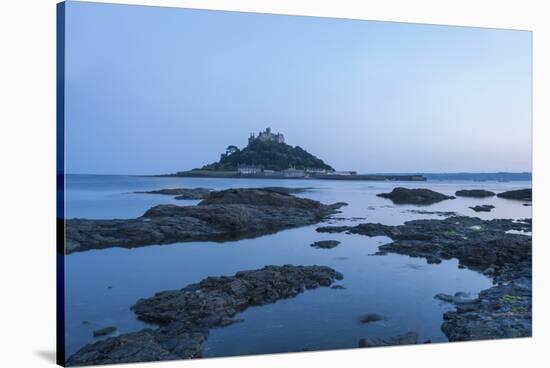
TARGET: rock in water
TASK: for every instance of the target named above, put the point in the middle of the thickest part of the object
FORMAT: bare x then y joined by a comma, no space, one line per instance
483,208
372,317
325,244
475,193
476,243
481,245
407,339
104,331
183,193
520,195
225,215
185,316
503,311
421,196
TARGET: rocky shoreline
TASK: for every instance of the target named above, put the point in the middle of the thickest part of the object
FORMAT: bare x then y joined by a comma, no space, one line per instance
224,215
185,316
503,310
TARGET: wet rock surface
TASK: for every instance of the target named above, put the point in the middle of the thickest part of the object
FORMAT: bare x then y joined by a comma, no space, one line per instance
503,311
520,194
182,193
474,193
225,215
325,244
406,339
185,316
481,245
421,196
483,208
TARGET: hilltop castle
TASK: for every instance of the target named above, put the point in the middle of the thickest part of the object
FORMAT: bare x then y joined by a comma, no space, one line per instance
267,136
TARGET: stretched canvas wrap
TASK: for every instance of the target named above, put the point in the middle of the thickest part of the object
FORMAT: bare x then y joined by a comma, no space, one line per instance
236,183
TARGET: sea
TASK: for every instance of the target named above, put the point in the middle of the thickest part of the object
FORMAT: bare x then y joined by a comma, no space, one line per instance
102,285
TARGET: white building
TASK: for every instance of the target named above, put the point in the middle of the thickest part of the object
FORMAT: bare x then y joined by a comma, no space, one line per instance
249,170
293,173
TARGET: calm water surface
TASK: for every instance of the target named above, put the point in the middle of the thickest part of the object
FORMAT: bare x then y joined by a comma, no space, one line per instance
101,285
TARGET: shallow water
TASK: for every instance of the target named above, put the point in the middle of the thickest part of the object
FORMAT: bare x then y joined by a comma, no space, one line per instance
101,285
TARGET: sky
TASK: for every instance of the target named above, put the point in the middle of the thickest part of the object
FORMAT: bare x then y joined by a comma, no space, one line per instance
152,90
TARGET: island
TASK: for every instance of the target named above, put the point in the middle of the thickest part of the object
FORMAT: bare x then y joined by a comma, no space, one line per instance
268,156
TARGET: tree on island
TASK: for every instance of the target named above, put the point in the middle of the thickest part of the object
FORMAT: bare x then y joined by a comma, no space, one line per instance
269,155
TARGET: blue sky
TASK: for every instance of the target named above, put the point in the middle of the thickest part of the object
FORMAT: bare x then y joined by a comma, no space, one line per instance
154,90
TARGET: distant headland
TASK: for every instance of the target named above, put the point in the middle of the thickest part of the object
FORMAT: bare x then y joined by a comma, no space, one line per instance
268,156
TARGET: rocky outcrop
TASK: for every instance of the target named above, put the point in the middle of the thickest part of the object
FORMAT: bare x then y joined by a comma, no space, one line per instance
477,244
482,245
182,193
409,338
483,208
287,190
421,196
520,195
437,213
325,244
474,193
225,215
185,316
503,311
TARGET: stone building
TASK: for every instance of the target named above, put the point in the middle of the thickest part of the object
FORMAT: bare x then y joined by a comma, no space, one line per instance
267,136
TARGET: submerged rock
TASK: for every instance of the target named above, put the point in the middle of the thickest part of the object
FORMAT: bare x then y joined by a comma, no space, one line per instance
409,338
421,196
325,244
185,316
225,215
372,317
520,195
104,331
483,208
475,193
182,193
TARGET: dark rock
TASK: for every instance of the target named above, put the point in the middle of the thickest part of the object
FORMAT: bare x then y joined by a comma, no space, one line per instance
225,215
287,190
325,244
372,317
104,331
337,287
185,316
481,245
503,311
438,213
483,208
478,244
475,193
407,339
520,195
527,204
182,193
421,196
